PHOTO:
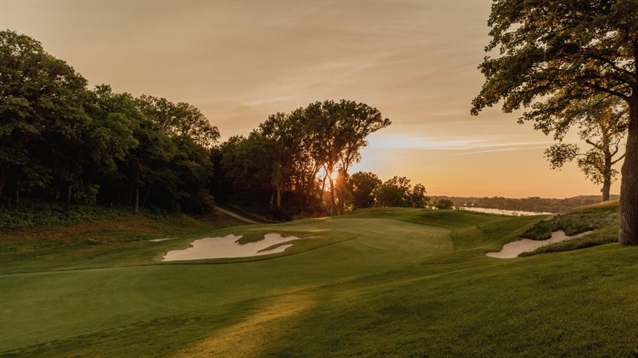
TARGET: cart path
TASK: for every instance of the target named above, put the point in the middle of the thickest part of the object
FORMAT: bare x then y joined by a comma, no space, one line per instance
236,216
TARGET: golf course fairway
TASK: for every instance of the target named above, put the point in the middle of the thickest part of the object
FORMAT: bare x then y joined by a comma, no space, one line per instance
376,283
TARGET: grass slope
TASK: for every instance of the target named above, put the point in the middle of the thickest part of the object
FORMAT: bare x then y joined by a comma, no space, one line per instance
382,282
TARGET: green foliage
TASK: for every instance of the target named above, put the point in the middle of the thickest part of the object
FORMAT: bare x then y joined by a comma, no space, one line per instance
602,123
38,214
181,119
62,142
41,109
289,161
364,187
398,192
444,204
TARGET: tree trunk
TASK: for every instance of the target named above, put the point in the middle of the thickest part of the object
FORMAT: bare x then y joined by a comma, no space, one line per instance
69,191
4,177
278,197
148,192
17,195
333,202
605,190
137,198
323,185
628,234
607,174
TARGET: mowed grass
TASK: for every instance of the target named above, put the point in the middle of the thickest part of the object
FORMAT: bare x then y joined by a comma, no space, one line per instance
383,282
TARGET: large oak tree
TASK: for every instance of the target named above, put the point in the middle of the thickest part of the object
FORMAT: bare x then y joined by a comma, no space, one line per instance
544,55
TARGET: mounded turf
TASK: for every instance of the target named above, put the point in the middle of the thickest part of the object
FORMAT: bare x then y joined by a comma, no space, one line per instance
384,282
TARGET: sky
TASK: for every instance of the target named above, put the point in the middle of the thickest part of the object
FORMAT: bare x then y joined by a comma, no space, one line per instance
240,61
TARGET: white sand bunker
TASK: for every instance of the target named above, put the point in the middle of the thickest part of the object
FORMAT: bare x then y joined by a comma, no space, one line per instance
227,247
515,248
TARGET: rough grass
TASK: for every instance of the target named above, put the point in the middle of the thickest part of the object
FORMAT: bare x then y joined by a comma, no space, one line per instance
384,282
100,243
601,219
35,215
576,221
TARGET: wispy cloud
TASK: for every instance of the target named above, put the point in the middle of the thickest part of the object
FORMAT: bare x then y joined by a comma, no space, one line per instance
263,101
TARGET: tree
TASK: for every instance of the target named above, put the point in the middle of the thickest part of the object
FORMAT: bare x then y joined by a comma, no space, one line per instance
363,187
418,196
395,193
115,120
602,124
41,101
285,136
339,131
190,189
179,119
147,164
552,53
444,204
247,165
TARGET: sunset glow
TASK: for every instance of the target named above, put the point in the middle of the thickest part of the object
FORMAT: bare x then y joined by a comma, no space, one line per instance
239,62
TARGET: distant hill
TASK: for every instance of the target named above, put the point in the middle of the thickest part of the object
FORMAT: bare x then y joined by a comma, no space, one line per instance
535,204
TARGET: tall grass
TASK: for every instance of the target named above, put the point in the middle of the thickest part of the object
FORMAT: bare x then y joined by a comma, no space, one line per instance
575,222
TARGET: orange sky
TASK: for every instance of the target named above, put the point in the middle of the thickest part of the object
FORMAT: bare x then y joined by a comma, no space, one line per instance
239,61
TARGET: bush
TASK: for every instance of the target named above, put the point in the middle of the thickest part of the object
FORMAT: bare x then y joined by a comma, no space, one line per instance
444,204
37,214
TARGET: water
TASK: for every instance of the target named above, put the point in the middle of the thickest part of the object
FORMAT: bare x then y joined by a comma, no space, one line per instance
502,212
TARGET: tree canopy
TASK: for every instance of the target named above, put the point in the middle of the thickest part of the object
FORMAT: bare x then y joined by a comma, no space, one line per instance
398,192
544,55
61,141
298,152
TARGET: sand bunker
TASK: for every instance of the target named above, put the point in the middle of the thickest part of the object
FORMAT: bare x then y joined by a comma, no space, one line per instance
515,248
227,247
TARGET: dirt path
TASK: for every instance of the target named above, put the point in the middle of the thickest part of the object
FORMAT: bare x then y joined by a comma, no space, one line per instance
236,216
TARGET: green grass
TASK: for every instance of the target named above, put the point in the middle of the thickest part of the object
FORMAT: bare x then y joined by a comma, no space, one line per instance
576,221
381,282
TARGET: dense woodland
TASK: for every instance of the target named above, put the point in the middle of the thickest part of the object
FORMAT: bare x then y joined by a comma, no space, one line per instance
63,142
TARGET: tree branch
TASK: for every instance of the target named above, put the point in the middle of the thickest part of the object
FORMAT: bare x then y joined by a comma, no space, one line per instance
613,65
607,90
617,160
599,147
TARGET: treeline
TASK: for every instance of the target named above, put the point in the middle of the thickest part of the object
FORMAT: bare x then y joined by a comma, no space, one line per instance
61,141
535,204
